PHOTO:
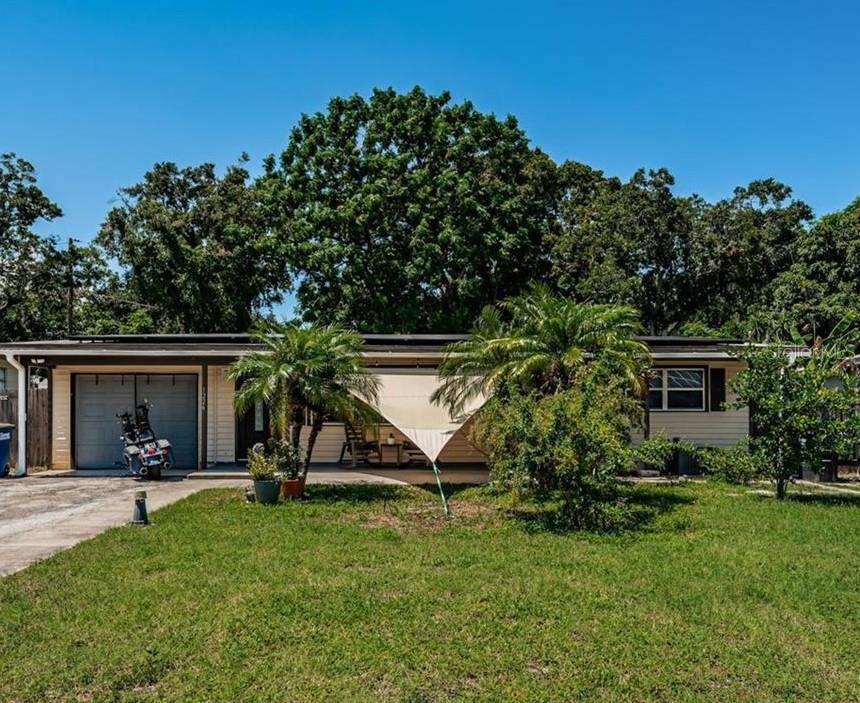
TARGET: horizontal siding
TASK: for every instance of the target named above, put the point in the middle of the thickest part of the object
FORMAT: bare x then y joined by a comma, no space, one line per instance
61,411
221,426
710,428
328,444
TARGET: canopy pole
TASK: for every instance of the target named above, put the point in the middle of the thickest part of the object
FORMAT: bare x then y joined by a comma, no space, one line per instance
441,492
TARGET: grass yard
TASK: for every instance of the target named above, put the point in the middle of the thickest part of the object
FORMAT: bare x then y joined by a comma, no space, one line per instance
364,594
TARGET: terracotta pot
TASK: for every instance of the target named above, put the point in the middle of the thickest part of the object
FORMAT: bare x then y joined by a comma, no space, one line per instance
293,488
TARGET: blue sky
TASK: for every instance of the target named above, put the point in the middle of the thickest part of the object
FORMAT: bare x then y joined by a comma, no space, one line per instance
720,92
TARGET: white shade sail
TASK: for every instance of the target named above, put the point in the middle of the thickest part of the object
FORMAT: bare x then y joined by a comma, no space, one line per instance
404,400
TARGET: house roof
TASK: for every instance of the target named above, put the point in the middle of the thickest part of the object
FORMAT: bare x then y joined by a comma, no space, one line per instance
378,347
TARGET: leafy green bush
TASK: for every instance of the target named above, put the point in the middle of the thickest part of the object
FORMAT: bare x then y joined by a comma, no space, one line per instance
802,407
654,452
570,445
736,464
287,457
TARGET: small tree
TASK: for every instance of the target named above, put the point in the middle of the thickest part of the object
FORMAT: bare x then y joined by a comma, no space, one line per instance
570,445
802,408
316,369
564,377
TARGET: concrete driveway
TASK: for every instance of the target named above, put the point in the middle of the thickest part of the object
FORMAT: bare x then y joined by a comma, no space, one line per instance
43,514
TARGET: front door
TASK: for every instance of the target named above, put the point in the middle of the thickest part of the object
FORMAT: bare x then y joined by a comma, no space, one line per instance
252,427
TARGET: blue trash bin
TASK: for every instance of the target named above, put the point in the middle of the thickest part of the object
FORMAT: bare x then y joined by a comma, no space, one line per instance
6,433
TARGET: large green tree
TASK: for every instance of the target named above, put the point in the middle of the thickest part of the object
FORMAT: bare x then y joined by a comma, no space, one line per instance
739,247
625,243
821,287
407,212
194,248
29,263
36,276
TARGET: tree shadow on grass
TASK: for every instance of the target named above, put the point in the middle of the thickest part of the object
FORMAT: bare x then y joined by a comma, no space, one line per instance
356,493
635,510
828,499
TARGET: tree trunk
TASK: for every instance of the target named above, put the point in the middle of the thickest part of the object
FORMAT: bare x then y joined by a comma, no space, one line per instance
316,426
297,421
781,485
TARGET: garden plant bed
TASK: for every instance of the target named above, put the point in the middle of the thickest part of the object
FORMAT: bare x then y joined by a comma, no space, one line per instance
365,593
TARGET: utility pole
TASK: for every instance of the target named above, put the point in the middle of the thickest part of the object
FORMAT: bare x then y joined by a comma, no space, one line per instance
70,282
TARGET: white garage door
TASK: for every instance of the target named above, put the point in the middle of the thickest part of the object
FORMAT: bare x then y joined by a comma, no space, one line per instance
100,397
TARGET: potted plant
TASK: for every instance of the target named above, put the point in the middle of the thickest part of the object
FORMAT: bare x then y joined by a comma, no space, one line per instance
262,468
288,460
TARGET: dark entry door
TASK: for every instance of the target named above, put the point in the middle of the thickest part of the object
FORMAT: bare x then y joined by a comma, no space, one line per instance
252,427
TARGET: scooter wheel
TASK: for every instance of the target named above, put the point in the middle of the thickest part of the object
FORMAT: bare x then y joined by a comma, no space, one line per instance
154,473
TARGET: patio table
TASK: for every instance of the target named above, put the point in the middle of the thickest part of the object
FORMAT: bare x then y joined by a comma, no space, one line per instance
397,447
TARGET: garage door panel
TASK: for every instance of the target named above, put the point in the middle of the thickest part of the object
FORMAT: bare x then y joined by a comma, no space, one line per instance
98,400
100,397
173,413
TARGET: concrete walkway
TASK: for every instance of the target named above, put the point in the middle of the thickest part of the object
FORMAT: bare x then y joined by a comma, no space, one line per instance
45,513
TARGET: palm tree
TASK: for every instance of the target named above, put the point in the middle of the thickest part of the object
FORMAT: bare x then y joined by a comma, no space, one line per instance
542,343
317,369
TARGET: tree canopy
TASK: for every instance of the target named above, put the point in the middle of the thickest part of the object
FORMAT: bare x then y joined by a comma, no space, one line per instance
410,212
194,248
29,262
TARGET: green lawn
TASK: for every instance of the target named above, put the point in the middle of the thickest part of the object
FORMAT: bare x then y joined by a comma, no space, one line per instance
364,594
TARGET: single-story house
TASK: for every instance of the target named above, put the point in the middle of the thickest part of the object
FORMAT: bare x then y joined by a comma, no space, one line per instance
93,378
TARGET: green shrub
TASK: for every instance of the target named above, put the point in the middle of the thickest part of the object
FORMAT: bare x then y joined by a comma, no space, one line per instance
287,458
654,452
570,445
736,464
261,465
803,407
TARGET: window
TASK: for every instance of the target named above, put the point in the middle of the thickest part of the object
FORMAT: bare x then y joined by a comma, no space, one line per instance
676,389
2,379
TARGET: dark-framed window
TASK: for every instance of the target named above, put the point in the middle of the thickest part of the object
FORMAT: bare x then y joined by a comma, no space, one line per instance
679,389
2,379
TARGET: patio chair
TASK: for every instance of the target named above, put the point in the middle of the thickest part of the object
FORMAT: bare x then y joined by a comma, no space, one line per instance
357,446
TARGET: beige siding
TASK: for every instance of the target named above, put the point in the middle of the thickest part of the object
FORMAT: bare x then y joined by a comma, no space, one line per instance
61,451
460,451
221,427
716,428
328,444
